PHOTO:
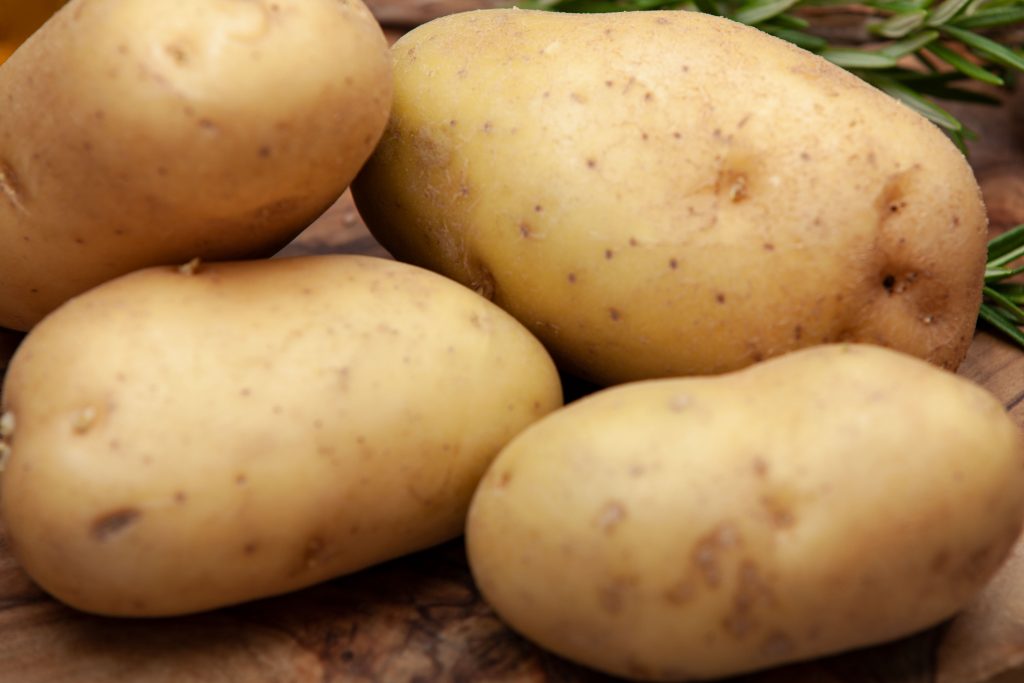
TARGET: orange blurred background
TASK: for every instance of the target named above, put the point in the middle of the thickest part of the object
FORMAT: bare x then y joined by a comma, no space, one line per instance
19,19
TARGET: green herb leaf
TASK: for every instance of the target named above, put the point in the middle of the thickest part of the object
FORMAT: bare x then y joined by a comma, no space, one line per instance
994,318
756,12
850,58
899,25
986,47
989,18
945,11
962,65
1009,242
929,110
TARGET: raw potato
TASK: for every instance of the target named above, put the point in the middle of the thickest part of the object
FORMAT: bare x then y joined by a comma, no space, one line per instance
147,132
669,193
183,441
696,528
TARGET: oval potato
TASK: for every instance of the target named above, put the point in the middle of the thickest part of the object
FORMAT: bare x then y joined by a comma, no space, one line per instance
696,528
147,132
670,193
184,441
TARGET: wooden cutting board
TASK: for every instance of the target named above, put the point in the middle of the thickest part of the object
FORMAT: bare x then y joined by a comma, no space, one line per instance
420,619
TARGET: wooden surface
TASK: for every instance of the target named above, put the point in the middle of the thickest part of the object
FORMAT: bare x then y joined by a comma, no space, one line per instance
420,619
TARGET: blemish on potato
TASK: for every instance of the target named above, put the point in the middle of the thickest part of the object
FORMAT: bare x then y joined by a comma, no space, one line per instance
505,479
84,420
750,590
680,593
264,152
610,516
250,548
525,230
7,425
571,277
707,551
615,314
720,298
180,497
888,283
768,246
109,525
760,467
777,645
176,53
673,263
315,548
680,402
241,479
779,514
612,596
190,268
609,254
10,186
591,163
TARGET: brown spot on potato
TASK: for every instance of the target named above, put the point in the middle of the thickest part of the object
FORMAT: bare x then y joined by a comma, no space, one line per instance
768,246
241,478
314,552
680,593
719,297
779,514
889,283
264,152
505,479
798,332
177,53
571,278
777,645
615,314
733,184
180,497
610,516
751,590
612,595
591,163
525,230
250,548
609,254
113,523
673,263
708,550
760,467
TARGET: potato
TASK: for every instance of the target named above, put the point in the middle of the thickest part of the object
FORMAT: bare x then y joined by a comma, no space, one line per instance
147,132
182,441
669,193
694,528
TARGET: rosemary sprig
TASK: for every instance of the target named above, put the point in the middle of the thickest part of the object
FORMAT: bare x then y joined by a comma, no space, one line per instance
1003,303
926,49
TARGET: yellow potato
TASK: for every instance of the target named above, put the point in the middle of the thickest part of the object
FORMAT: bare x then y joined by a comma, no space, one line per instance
148,132
695,528
669,193
182,441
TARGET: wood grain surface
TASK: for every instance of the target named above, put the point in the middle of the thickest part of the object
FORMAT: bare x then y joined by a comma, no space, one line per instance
420,619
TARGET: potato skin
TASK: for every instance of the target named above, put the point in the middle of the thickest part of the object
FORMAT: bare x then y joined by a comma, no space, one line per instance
668,193
188,441
147,132
695,528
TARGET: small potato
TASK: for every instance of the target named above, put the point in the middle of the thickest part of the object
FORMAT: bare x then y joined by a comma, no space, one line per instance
696,528
671,193
185,440
136,133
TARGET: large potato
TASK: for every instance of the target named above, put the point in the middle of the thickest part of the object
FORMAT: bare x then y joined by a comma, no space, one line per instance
147,132
664,193
182,441
695,528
